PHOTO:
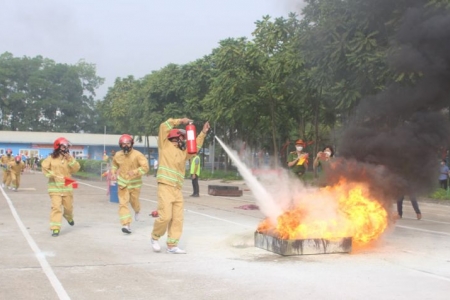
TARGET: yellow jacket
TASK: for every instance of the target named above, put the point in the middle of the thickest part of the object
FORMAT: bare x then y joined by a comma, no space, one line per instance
123,163
56,169
5,160
16,168
172,160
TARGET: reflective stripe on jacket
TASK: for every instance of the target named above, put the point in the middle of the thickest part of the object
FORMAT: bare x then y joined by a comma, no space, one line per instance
56,169
123,163
172,160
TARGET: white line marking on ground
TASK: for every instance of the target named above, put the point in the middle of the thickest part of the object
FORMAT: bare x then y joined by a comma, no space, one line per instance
423,230
57,286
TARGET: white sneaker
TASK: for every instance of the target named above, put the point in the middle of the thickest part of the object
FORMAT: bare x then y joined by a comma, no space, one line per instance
126,229
9,187
136,216
175,250
14,189
3,185
155,245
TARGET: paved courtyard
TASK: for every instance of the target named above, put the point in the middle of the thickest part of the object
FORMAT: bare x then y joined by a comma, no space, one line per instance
95,260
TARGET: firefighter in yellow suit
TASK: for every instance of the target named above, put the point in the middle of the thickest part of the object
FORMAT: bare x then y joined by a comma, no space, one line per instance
57,167
171,171
6,159
128,166
17,166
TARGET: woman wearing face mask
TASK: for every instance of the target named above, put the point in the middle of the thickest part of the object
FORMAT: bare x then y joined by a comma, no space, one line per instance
321,161
58,166
298,160
323,157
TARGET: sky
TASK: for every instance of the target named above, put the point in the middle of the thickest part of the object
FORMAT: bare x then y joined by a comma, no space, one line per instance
128,37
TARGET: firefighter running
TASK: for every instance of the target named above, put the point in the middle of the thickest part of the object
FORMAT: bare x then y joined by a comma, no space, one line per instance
172,161
16,167
58,167
128,166
6,159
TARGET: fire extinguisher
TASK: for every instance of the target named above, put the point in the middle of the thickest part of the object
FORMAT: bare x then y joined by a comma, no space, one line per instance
191,143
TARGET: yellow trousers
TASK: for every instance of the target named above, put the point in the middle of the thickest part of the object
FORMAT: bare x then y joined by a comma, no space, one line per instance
6,177
15,180
128,196
66,200
171,216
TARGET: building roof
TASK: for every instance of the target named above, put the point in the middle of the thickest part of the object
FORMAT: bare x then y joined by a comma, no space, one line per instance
90,139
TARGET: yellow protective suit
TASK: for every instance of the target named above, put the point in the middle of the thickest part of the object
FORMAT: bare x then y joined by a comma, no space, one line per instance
56,169
6,172
16,170
129,186
170,177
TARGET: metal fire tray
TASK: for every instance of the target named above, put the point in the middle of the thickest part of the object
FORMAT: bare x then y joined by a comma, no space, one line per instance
302,247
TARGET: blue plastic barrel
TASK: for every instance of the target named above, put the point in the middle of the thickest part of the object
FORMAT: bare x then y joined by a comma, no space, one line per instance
113,195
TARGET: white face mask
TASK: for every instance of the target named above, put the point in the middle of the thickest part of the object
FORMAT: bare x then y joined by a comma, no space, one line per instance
299,148
328,153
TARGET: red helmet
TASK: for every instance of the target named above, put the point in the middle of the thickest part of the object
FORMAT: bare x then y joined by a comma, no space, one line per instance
17,158
60,141
126,138
176,133
8,151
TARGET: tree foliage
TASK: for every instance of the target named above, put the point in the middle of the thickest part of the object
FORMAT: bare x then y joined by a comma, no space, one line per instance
42,95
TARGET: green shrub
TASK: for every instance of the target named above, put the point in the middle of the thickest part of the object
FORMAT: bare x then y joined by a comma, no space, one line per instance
440,194
90,166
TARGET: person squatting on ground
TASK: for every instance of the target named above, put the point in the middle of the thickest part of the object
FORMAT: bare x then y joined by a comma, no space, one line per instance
6,159
128,166
195,173
414,203
298,160
172,160
57,167
17,167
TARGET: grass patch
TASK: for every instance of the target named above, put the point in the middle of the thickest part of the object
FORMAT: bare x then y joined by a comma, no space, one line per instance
441,194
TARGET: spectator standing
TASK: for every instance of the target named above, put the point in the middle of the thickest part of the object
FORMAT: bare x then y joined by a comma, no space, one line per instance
195,173
155,166
297,160
443,174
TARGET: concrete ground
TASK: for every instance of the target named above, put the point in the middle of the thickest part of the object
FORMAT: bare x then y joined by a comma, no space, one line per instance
95,260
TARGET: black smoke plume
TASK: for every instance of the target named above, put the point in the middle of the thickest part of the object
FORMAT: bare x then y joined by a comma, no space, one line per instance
397,137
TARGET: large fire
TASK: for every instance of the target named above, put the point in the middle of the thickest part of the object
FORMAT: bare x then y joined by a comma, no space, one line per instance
343,210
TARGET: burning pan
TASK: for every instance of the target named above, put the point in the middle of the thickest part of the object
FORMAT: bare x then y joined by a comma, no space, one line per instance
302,247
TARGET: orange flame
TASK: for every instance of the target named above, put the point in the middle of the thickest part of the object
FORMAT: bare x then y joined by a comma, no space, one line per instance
343,210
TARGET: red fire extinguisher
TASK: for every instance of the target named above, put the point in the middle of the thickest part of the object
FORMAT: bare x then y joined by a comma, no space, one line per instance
191,143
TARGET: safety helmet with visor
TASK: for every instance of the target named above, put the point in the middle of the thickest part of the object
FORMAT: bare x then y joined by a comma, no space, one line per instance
179,136
126,143
61,142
